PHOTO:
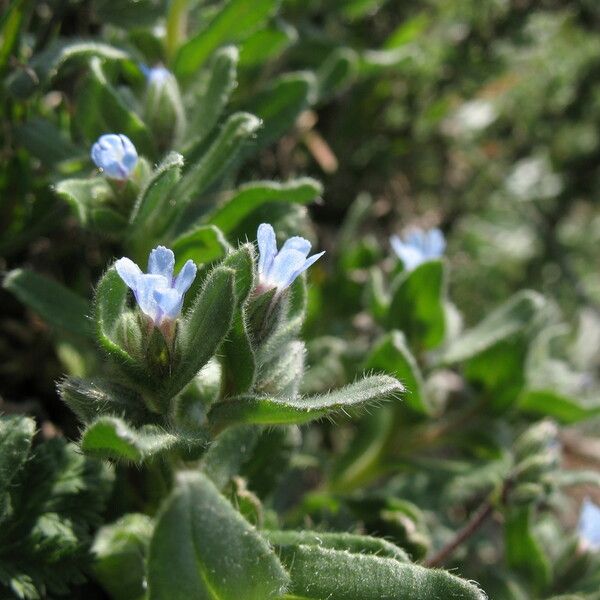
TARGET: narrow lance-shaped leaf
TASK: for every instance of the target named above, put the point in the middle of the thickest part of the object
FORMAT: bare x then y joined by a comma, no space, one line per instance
203,329
352,576
210,101
417,306
507,320
203,549
57,305
252,196
156,207
219,157
47,64
16,434
281,103
203,244
274,410
111,437
392,356
236,21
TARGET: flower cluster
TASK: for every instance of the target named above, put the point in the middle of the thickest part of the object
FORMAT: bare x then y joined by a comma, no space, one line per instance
418,246
115,155
158,293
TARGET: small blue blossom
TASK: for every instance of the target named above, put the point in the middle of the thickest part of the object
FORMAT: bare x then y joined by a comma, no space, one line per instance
156,75
589,525
279,269
158,293
115,155
418,246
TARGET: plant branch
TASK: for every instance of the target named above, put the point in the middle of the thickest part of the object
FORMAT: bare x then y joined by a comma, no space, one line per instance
476,521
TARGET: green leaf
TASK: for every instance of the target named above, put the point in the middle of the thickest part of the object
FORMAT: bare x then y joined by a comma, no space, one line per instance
523,551
110,302
57,305
226,455
46,141
252,196
507,320
111,437
120,551
319,573
84,196
220,156
10,27
357,544
417,306
155,207
391,355
204,327
281,103
203,244
236,21
203,549
550,403
92,398
365,452
267,43
16,434
100,109
46,65
237,355
281,411
337,72
210,100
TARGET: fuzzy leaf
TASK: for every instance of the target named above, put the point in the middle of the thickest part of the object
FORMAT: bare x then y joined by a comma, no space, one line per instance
506,321
16,434
254,195
210,101
203,244
550,403
391,355
84,196
155,206
281,103
56,304
111,437
202,548
220,156
236,21
352,576
280,411
204,327
417,306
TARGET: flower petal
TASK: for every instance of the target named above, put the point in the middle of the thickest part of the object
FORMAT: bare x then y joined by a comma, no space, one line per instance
285,266
267,247
436,244
410,255
307,263
128,271
147,285
297,243
161,262
589,524
169,302
186,277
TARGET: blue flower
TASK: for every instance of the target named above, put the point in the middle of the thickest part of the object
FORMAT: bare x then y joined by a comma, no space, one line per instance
418,246
279,269
158,293
115,155
156,75
589,525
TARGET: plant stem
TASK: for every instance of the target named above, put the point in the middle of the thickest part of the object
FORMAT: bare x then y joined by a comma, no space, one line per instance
476,521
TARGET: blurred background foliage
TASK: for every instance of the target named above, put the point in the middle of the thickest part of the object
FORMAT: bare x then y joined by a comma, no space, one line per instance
478,117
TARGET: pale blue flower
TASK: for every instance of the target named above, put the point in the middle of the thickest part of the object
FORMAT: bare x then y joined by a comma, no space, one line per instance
115,154
156,75
418,246
278,269
589,525
158,293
